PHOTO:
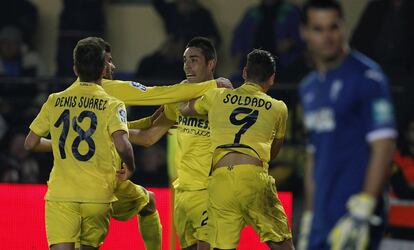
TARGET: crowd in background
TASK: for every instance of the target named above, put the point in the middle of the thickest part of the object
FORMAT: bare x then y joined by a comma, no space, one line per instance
383,33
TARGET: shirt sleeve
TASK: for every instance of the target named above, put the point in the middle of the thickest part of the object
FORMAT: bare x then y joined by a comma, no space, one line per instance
377,109
203,104
280,128
137,94
170,111
41,124
142,123
117,118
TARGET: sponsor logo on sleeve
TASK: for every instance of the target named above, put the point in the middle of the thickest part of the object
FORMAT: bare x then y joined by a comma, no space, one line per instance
122,115
382,111
139,86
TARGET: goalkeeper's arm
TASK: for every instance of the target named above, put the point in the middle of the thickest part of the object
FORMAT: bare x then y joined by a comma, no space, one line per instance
353,228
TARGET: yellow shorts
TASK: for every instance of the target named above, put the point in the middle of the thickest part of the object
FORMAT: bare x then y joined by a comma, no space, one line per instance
86,223
190,216
240,195
132,198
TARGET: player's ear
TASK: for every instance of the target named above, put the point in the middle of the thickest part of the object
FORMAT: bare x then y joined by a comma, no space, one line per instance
103,72
271,79
245,73
75,70
211,64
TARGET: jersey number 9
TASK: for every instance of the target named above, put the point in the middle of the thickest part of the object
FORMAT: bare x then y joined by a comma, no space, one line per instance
247,121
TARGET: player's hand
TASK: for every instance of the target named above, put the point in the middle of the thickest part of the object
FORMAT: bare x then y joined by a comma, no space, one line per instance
352,230
123,173
157,113
224,83
305,226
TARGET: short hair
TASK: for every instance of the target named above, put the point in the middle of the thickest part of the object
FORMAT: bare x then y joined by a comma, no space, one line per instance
320,4
260,65
206,45
104,44
89,59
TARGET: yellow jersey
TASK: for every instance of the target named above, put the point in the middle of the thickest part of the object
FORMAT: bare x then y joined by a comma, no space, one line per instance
81,120
137,94
244,120
192,154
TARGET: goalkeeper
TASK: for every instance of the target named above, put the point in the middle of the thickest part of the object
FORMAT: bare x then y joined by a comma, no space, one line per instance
350,123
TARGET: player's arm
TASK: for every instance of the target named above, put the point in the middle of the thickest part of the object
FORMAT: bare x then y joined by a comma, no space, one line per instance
150,136
146,122
187,108
279,129
136,94
379,166
276,146
199,106
37,143
125,151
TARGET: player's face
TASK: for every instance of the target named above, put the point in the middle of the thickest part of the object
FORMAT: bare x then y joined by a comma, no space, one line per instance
324,34
195,66
110,66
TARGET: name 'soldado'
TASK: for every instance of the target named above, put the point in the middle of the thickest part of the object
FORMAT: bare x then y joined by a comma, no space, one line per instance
247,101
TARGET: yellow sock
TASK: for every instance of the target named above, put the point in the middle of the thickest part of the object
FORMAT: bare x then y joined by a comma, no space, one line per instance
151,231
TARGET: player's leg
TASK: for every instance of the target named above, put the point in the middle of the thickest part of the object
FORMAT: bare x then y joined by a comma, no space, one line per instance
88,248
190,219
284,245
63,246
95,224
63,224
135,200
225,220
263,209
150,225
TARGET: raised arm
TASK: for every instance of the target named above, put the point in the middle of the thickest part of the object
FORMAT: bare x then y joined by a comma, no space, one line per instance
136,94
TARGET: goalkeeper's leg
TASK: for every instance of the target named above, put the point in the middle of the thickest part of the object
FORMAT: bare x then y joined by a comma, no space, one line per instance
150,225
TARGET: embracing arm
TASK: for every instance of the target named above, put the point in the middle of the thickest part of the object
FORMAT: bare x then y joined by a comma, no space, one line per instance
149,136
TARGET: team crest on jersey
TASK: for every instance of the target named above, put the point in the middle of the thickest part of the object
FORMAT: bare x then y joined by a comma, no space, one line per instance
122,115
139,86
335,89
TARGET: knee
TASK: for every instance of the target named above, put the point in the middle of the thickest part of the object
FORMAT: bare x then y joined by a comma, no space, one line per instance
284,245
150,208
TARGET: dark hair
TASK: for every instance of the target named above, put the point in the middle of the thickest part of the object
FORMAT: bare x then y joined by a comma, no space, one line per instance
260,65
106,46
320,4
89,59
206,45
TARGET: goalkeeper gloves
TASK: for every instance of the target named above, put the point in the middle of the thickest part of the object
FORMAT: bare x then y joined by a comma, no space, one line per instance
305,225
351,232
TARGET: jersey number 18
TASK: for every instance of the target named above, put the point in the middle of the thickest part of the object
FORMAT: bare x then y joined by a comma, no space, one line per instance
82,135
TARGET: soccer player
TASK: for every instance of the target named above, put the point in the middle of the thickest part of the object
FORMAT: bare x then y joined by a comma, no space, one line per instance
134,199
192,153
247,129
349,118
89,134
